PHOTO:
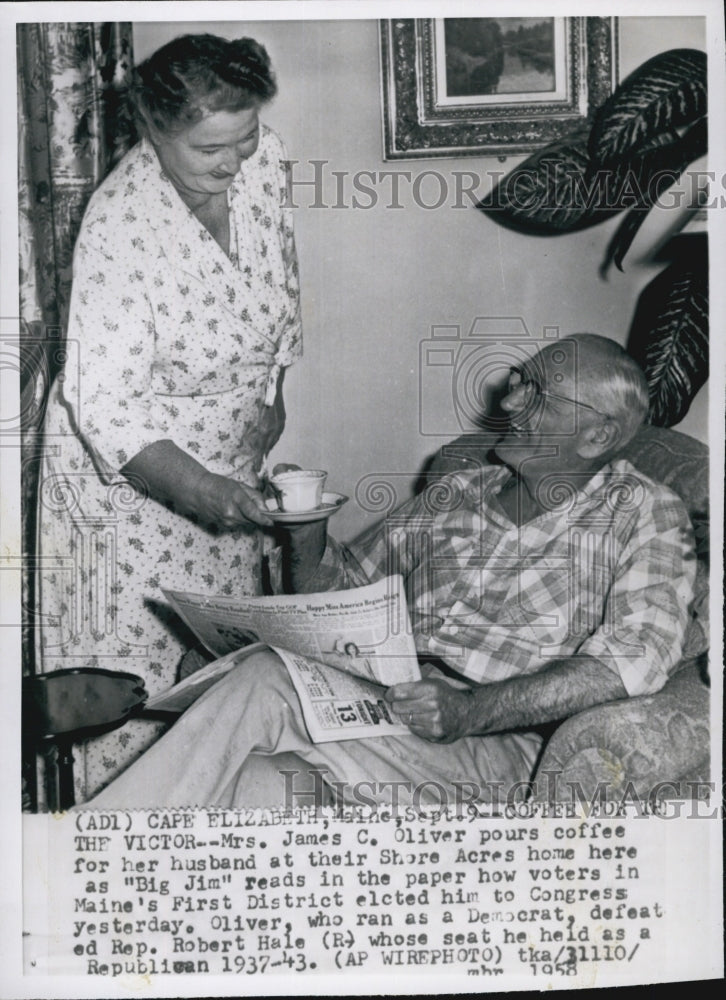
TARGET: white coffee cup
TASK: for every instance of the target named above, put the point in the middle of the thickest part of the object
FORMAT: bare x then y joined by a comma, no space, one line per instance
299,490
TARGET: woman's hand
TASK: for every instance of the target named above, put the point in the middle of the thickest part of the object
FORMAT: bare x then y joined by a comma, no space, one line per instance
172,476
225,503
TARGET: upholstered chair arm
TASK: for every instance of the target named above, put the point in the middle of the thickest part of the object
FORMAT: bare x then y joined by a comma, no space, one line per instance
639,747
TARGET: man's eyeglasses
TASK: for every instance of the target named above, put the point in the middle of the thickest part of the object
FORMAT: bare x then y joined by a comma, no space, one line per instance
519,379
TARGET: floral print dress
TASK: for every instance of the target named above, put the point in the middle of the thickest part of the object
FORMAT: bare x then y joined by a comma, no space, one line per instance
169,339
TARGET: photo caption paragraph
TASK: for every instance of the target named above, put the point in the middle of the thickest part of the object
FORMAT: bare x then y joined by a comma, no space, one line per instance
541,897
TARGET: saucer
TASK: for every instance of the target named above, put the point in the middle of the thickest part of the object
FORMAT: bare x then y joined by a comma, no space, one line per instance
331,503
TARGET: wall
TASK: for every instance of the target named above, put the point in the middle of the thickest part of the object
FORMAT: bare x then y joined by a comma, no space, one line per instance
376,280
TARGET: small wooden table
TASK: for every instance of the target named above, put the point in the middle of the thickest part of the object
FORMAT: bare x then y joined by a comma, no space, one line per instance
62,707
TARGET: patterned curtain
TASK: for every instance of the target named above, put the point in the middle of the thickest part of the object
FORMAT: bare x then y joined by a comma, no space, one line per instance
69,133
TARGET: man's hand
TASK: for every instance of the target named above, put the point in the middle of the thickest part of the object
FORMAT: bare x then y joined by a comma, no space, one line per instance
433,709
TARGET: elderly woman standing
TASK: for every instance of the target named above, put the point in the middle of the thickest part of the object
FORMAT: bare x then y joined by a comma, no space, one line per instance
184,314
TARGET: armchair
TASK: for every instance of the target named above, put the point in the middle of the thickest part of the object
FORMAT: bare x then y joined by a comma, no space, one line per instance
654,745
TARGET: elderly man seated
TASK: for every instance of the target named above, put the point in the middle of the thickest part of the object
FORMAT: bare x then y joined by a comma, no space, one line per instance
556,581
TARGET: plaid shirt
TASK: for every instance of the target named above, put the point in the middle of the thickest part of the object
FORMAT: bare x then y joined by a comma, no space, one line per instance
607,572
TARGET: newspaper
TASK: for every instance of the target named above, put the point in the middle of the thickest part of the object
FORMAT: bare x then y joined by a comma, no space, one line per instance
340,649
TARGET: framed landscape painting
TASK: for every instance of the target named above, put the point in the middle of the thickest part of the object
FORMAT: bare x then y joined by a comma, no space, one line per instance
491,85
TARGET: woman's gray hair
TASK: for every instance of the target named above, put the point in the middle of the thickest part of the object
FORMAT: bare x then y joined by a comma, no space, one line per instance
194,75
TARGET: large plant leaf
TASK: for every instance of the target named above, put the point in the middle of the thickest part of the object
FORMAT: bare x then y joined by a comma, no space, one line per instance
553,191
646,178
665,93
634,151
669,337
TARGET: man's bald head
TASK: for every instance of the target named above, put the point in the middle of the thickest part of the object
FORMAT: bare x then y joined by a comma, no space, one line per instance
608,379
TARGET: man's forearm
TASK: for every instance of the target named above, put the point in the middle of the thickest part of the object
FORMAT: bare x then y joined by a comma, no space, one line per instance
564,689
435,710
302,548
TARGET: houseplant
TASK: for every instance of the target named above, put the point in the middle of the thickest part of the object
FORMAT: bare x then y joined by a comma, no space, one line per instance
634,147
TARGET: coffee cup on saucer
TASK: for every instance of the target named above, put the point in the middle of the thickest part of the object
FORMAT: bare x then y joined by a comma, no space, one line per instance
299,490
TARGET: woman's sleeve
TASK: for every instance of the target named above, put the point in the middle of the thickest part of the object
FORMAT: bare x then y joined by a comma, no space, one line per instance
109,392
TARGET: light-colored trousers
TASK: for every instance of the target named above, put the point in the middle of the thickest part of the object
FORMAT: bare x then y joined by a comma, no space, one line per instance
219,753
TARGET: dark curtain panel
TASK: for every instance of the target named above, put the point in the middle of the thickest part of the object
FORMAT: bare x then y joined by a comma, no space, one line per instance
70,131
67,139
